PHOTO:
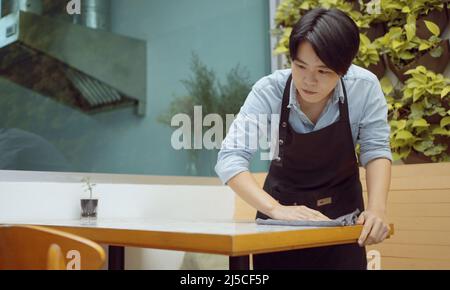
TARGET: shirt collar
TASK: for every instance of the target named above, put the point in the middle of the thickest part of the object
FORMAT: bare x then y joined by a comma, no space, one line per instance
337,94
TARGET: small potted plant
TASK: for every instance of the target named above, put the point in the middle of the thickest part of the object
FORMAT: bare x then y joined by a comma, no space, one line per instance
89,206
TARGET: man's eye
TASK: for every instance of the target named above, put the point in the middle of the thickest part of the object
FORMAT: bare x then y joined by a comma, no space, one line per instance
300,66
323,72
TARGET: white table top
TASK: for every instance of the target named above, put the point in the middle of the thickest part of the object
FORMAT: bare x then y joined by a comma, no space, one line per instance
215,227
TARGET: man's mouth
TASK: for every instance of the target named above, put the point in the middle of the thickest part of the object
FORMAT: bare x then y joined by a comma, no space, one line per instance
308,92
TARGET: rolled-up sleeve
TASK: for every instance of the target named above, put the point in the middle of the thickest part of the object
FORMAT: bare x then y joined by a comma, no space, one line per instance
237,150
374,130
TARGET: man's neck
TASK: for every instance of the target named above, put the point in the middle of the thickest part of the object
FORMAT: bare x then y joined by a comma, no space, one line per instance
307,106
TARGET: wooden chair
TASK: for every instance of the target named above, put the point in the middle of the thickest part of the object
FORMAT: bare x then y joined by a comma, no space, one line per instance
40,248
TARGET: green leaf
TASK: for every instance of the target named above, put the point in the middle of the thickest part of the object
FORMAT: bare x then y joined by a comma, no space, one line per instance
396,44
420,123
427,104
411,19
281,50
421,146
445,121
304,5
386,85
441,111
364,39
424,46
445,91
437,52
420,77
405,151
417,96
410,31
407,94
419,130
400,125
440,131
404,135
435,150
417,110
421,69
395,156
432,27
407,55
396,143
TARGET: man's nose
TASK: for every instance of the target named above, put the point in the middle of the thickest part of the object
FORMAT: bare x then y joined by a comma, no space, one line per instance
309,81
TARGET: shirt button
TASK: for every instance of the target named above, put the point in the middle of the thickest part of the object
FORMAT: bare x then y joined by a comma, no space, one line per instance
284,124
281,142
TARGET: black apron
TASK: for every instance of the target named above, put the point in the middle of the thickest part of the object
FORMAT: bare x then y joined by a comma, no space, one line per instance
318,170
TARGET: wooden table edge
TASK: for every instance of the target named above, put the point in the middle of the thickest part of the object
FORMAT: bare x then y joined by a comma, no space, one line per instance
229,245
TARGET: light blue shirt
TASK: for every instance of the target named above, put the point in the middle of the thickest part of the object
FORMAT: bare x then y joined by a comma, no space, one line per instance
367,111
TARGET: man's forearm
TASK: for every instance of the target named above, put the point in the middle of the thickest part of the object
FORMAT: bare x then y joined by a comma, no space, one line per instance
378,180
245,185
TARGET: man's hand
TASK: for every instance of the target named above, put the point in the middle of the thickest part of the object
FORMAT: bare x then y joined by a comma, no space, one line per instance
281,212
376,228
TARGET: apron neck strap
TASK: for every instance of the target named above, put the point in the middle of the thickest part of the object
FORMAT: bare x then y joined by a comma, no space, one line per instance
343,104
285,110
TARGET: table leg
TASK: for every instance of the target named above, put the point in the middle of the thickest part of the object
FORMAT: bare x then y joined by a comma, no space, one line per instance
116,258
240,263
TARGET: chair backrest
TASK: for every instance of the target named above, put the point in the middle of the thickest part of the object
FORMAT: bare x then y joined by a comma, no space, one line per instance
41,248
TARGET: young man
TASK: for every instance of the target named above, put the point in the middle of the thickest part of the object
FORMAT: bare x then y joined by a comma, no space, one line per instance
326,106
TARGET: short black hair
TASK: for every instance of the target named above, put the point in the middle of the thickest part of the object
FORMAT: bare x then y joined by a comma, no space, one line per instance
333,35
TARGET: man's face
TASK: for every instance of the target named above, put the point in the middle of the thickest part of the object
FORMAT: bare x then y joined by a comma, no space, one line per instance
312,78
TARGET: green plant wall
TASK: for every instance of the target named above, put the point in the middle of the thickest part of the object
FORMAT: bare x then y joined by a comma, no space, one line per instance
403,43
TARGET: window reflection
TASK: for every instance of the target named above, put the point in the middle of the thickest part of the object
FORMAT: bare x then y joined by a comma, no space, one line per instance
22,150
88,89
